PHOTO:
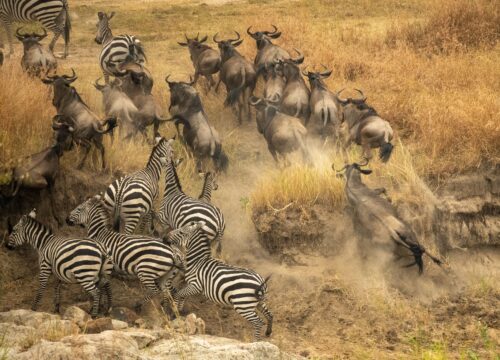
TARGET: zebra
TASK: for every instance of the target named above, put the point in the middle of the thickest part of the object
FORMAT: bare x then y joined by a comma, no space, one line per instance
209,184
177,209
130,198
116,50
52,14
148,259
243,289
71,260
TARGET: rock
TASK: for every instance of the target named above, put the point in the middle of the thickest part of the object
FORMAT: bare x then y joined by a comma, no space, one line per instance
77,315
191,324
106,345
146,338
27,317
118,325
15,338
124,314
57,329
206,347
200,326
98,325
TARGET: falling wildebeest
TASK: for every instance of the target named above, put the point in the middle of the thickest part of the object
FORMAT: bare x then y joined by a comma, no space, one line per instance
295,101
238,74
117,104
206,61
379,219
324,120
186,109
365,127
284,134
267,52
36,59
38,171
88,129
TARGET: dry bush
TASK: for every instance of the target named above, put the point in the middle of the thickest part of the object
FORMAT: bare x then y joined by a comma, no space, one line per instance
453,25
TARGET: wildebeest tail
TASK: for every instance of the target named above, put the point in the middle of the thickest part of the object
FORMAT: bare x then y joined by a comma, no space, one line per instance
220,159
67,24
260,292
234,94
386,151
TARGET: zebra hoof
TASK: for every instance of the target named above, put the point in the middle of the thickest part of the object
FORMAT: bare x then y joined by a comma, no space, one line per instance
138,307
269,332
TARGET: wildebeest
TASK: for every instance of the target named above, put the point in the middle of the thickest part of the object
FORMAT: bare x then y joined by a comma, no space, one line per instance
295,101
39,171
275,83
206,61
324,119
238,74
283,133
36,59
1,56
379,218
88,129
365,127
186,109
267,52
117,104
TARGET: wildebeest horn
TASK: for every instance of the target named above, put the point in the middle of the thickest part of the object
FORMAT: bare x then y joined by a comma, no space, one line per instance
191,81
254,101
304,72
238,38
170,83
343,101
363,95
300,59
71,78
185,35
197,36
203,39
18,32
215,39
327,72
43,36
250,33
275,99
345,166
271,32
365,163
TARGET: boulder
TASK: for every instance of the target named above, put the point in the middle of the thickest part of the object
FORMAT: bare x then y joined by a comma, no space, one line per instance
118,325
76,315
145,338
124,314
15,338
27,317
98,325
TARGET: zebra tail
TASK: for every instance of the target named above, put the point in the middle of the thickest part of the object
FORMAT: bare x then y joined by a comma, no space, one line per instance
67,25
116,219
220,159
260,292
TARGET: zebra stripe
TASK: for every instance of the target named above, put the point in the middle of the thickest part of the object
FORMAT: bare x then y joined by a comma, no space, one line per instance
71,260
243,289
145,258
131,197
209,184
52,14
116,49
177,209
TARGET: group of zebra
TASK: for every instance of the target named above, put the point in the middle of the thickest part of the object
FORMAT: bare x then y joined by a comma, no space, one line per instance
112,246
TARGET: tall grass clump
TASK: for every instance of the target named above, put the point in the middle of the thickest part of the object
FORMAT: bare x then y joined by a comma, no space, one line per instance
298,186
453,25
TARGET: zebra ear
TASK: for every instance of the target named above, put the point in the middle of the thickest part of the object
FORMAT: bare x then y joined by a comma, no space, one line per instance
110,16
178,161
201,174
32,214
163,161
157,140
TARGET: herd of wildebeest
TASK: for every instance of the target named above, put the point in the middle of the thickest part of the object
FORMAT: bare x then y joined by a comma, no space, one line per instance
127,236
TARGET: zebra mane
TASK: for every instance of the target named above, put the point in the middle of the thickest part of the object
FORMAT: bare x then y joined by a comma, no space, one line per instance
153,151
176,177
39,225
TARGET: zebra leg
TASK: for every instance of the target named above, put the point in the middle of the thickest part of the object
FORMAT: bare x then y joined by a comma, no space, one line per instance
268,315
57,297
152,288
43,279
95,293
253,318
106,285
182,294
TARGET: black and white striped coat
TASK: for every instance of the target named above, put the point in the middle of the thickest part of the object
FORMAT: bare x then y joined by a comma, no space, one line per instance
71,260
131,197
243,289
148,259
116,50
177,209
209,184
52,14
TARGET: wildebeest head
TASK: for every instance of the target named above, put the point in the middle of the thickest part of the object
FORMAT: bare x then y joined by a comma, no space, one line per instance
30,40
133,74
63,132
103,28
290,66
353,110
316,77
227,47
183,97
266,110
262,38
194,44
62,86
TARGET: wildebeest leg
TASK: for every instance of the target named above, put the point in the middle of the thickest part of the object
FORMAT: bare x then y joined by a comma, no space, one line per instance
241,108
50,189
6,26
218,84
87,145
100,147
367,151
247,94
